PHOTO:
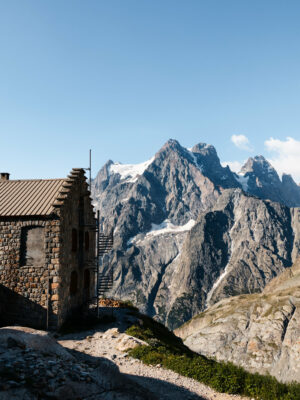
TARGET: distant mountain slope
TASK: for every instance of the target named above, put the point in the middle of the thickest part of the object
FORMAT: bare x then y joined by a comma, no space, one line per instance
236,247
154,205
260,332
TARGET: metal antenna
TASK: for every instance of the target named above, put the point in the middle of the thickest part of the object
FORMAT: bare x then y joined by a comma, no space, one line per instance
90,170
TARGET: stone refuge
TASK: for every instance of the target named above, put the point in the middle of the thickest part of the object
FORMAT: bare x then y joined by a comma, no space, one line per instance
47,249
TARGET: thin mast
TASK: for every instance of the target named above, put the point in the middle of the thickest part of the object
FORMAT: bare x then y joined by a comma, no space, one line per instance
90,170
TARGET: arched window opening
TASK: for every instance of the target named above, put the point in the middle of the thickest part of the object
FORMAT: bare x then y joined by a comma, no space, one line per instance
86,279
73,283
74,239
86,241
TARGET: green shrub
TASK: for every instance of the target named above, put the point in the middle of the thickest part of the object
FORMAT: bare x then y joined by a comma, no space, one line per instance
168,350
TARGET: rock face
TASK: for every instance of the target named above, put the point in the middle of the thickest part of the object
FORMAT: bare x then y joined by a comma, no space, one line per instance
175,185
237,247
260,332
259,178
185,234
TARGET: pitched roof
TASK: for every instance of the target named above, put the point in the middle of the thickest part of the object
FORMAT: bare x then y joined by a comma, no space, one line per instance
29,197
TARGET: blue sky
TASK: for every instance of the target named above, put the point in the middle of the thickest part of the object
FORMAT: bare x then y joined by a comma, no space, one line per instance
124,76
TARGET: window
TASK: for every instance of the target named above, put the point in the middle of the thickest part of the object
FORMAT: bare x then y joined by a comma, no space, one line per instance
74,239
32,252
73,283
86,241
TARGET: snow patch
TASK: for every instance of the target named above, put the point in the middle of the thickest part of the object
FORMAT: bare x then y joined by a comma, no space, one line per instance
238,215
167,227
129,171
243,180
195,160
161,229
216,284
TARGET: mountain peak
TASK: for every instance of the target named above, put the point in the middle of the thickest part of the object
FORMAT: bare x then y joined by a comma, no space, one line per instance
261,167
171,144
204,149
254,163
287,178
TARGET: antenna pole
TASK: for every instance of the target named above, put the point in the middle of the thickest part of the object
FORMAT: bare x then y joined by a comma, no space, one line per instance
90,170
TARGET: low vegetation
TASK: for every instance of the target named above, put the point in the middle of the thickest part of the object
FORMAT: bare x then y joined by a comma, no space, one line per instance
168,350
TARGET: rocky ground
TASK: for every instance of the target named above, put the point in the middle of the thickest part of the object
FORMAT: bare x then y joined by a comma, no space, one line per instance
109,342
87,365
34,366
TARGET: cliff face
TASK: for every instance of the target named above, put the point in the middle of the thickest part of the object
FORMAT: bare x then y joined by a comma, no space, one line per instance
152,206
186,235
260,332
237,247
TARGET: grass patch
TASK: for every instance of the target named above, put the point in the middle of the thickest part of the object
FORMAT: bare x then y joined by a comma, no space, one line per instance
168,350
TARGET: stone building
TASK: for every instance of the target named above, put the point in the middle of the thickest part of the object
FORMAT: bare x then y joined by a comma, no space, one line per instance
47,249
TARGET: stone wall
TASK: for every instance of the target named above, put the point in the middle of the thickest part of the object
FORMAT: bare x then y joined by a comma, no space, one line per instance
76,213
30,282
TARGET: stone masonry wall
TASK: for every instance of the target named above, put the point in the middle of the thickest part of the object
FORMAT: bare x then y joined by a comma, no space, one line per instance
78,261
25,286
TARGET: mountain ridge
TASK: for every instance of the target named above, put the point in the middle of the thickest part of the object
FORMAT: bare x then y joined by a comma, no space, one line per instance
157,206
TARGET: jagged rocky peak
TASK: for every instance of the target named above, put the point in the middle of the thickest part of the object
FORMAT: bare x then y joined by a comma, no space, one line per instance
207,155
260,167
102,177
204,149
287,179
259,178
172,145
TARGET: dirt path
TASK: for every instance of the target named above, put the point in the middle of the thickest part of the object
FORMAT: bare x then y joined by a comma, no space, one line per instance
108,342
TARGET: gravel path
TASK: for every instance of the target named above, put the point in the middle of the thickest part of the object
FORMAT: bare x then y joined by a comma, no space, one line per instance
165,384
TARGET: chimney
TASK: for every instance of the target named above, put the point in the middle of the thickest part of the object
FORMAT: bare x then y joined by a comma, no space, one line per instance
4,176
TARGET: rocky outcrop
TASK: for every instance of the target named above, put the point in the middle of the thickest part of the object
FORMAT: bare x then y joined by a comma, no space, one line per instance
34,366
260,332
185,234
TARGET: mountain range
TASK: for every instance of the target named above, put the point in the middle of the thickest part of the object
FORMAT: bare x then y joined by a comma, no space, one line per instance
189,232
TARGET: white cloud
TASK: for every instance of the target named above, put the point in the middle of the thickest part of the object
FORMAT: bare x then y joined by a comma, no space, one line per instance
235,166
242,142
285,156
